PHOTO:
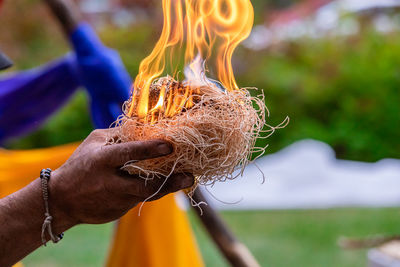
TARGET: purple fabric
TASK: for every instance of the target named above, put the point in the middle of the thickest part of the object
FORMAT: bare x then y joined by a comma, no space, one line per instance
27,98
102,73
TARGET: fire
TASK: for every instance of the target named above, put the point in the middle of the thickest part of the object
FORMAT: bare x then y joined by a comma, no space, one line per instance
209,31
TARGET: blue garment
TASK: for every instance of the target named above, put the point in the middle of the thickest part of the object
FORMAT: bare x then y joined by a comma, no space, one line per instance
27,98
102,73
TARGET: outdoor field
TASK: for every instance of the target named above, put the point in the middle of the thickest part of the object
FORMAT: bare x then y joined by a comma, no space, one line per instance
277,238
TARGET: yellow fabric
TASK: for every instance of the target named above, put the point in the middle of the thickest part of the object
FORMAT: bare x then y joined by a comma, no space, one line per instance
160,237
19,167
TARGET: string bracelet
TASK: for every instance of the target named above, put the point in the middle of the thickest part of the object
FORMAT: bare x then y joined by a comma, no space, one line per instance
44,178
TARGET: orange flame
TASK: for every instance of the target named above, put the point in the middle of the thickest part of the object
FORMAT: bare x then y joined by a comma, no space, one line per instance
210,29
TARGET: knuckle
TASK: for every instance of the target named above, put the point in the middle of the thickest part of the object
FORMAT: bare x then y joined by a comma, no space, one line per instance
96,132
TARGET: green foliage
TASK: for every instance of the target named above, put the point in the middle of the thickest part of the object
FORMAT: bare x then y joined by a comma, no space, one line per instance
82,246
343,92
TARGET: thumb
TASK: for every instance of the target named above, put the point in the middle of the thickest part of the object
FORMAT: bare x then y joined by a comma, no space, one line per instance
118,154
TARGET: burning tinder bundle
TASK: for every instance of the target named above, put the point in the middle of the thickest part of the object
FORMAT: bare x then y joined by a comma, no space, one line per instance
213,125
213,132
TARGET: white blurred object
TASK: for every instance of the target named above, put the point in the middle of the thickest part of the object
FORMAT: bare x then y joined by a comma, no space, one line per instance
95,6
307,175
258,39
387,255
383,23
361,5
315,19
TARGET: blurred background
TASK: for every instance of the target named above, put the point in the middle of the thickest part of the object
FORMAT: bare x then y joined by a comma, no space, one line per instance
332,66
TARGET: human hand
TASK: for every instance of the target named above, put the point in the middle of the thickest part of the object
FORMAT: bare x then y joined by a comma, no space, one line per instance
91,188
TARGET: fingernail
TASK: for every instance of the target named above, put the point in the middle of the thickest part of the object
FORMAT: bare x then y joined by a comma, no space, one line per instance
164,149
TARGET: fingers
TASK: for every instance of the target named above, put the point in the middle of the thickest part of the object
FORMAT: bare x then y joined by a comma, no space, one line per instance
182,181
143,189
118,154
172,184
177,182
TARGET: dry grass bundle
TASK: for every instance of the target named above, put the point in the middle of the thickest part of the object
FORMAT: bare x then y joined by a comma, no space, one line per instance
211,139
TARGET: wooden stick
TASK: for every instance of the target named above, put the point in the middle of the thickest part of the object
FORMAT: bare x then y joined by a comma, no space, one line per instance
235,252
66,12
366,242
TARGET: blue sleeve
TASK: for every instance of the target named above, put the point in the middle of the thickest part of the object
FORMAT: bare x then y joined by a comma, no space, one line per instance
102,73
27,98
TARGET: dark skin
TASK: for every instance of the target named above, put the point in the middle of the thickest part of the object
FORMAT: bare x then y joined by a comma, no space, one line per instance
88,188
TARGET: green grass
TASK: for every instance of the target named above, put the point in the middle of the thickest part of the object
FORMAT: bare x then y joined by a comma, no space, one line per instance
84,245
277,238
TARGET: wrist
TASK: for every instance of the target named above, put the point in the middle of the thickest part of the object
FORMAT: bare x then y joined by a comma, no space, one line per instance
59,210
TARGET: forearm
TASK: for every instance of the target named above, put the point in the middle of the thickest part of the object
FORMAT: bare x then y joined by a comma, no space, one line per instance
21,219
